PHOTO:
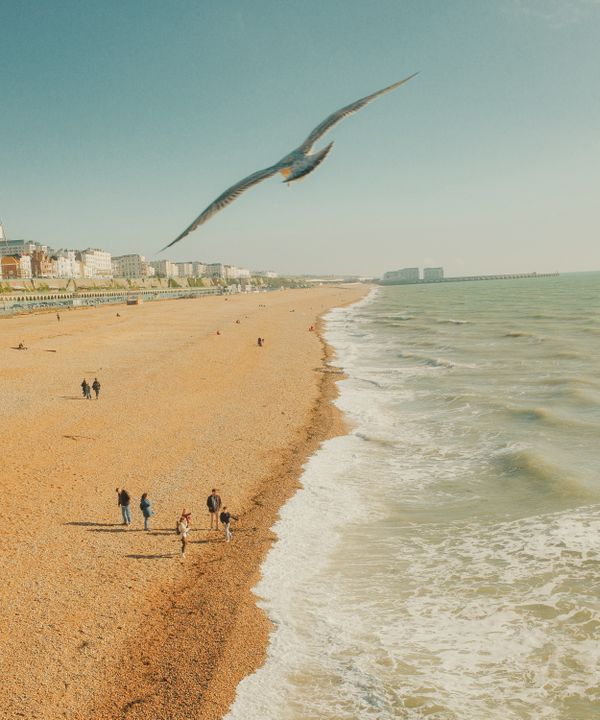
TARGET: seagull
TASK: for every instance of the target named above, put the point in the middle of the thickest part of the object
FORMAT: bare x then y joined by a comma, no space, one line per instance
294,166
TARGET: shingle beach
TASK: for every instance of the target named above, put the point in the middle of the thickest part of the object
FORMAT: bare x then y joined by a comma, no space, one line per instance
102,621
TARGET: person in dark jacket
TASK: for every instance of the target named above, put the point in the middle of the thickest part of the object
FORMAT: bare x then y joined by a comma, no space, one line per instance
226,517
146,509
124,501
96,387
85,389
213,503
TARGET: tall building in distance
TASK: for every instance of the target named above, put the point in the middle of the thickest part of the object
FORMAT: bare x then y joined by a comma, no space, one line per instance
405,275
433,274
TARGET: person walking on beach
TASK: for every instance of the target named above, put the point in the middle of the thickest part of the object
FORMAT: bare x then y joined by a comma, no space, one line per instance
96,387
85,388
58,317
226,517
213,503
124,500
183,528
146,509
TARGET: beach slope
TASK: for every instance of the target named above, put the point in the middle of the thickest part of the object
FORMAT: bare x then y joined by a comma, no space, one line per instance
102,621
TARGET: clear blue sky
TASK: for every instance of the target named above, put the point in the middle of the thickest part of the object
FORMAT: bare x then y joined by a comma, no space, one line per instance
120,122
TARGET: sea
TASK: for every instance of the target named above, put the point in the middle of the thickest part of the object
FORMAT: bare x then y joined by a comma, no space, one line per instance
442,560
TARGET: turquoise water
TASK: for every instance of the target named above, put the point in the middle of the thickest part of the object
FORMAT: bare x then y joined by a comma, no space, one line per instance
443,559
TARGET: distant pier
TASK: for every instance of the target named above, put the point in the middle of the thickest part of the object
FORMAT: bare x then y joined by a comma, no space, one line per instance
468,278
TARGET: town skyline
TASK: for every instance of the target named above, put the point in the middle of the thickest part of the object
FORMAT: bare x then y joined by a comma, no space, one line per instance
23,259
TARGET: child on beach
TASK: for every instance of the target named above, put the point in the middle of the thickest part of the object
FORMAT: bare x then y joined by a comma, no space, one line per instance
226,517
146,509
183,527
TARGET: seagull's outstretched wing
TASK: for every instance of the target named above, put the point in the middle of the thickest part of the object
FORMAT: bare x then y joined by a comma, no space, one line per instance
227,197
335,117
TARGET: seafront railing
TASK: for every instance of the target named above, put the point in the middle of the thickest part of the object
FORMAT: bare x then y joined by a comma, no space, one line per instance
15,303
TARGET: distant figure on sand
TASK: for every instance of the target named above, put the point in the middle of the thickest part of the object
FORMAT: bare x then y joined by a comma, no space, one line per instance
226,518
259,342
146,509
58,316
21,346
85,388
96,387
183,528
213,503
123,500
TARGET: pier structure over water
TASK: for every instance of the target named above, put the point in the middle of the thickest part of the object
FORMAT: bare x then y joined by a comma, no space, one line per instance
464,278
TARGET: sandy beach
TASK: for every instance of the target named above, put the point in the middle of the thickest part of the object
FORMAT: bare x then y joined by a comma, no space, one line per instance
102,621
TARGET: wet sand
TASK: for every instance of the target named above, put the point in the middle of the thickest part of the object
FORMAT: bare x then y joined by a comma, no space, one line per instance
102,621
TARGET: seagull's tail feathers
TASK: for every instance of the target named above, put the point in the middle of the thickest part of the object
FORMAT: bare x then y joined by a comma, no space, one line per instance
311,163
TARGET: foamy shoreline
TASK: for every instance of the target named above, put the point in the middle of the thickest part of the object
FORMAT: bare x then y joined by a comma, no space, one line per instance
114,623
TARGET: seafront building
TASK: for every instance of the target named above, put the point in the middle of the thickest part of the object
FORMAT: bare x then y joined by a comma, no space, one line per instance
16,267
164,268
198,269
184,269
25,259
20,247
132,266
405,275
66,264
97,263
433,274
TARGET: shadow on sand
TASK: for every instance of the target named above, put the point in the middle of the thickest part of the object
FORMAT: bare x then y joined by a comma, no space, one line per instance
152,557
93,524
120,528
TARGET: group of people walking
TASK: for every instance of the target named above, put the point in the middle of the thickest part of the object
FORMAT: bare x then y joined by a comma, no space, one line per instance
86,388
217,511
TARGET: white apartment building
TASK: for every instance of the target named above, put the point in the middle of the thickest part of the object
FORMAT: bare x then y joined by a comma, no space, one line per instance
198,269
130,266
164,268
66,264
25,265
97,263
185,269
265,273
236,273
433,274
216,270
